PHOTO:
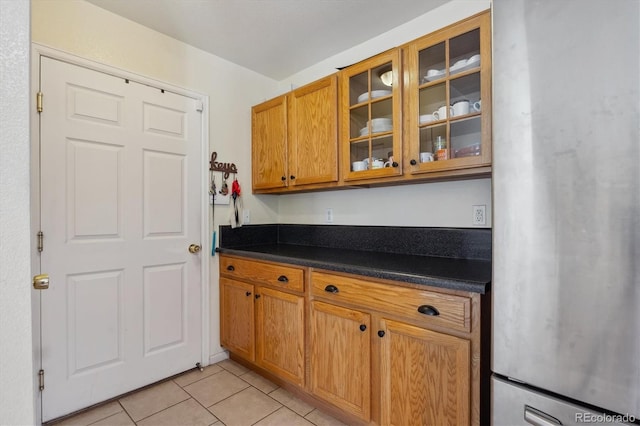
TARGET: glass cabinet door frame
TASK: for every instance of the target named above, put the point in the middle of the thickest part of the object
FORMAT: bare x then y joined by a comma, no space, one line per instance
367,138
415,82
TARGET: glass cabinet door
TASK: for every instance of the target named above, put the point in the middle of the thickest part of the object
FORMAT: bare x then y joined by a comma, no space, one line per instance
448,78
371,124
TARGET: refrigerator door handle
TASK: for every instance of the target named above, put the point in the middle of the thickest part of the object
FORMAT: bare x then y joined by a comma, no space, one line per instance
538,418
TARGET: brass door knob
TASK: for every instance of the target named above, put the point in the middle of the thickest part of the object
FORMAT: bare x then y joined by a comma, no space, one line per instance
194,248
41,282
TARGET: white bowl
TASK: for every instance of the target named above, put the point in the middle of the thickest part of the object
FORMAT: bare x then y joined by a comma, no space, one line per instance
374,94
379,93
474,59
378,122
459,64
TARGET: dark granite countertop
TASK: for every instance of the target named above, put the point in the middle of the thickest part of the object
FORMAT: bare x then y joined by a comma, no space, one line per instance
410,264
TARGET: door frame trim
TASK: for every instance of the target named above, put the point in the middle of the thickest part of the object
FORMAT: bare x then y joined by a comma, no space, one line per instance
37,52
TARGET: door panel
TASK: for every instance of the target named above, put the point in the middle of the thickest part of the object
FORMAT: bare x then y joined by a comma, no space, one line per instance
93,301
237,317
120,204
280,334
414,363
341,357
165,290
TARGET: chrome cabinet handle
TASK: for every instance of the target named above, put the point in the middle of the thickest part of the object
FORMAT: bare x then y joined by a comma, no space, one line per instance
538,418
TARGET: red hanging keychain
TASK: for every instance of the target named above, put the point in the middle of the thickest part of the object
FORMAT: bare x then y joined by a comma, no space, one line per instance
237,204
235,189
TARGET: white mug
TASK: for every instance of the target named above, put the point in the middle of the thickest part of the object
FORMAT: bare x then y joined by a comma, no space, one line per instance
425,157
358,166
477,106
377,164
460,108
441,113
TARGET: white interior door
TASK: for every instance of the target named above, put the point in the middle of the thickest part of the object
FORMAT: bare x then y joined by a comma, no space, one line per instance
120,205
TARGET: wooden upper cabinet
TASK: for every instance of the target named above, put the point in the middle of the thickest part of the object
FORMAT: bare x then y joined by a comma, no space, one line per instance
313,133
269,144
295,138
414,113
433,391
371,118
447,92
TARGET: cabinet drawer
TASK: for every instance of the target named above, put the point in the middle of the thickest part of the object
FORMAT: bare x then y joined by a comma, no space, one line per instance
262,272
421,305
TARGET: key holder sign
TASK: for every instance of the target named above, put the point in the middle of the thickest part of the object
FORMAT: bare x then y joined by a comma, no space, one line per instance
220,192
225,168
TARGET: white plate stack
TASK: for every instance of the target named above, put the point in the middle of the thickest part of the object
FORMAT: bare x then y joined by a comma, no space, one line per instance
378,125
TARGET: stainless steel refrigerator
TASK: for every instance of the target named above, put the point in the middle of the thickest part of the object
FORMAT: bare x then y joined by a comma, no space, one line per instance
566,212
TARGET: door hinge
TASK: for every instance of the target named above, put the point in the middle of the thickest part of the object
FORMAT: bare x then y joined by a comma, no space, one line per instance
199,106
40,241
41,380
39,102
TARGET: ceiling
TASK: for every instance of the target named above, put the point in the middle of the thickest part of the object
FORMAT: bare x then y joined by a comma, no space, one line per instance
275,38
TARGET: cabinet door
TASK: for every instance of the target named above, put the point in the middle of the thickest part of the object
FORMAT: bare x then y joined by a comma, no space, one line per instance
425,376
280,333
237,317
269,144
341,357
313,133
448,95
371,118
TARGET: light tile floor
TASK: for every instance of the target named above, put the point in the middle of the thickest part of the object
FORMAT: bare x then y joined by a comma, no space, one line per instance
225,393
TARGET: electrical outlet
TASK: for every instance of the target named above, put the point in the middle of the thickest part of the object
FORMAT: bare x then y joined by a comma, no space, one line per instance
328,218
246,216
479,215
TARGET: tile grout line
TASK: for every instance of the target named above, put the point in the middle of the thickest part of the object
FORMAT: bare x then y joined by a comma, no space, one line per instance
164,409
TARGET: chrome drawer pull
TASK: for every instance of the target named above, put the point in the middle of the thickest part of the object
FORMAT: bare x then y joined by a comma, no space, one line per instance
428,310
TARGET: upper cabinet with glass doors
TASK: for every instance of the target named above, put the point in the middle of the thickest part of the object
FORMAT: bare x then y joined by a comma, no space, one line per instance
448,99
371,118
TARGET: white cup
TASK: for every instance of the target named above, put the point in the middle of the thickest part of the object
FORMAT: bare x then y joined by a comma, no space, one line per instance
358,166
377,164
441,113
477,106
460,108
425,157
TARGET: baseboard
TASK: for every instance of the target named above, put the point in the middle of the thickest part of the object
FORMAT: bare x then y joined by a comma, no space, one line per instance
220,356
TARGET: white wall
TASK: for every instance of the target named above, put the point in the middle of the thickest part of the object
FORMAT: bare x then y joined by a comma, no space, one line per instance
16,360
85,30
431,204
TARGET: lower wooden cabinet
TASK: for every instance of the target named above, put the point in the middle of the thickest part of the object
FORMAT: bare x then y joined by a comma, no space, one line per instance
421,348
372,351
261,323
280,333
424,376
237,317
340,347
